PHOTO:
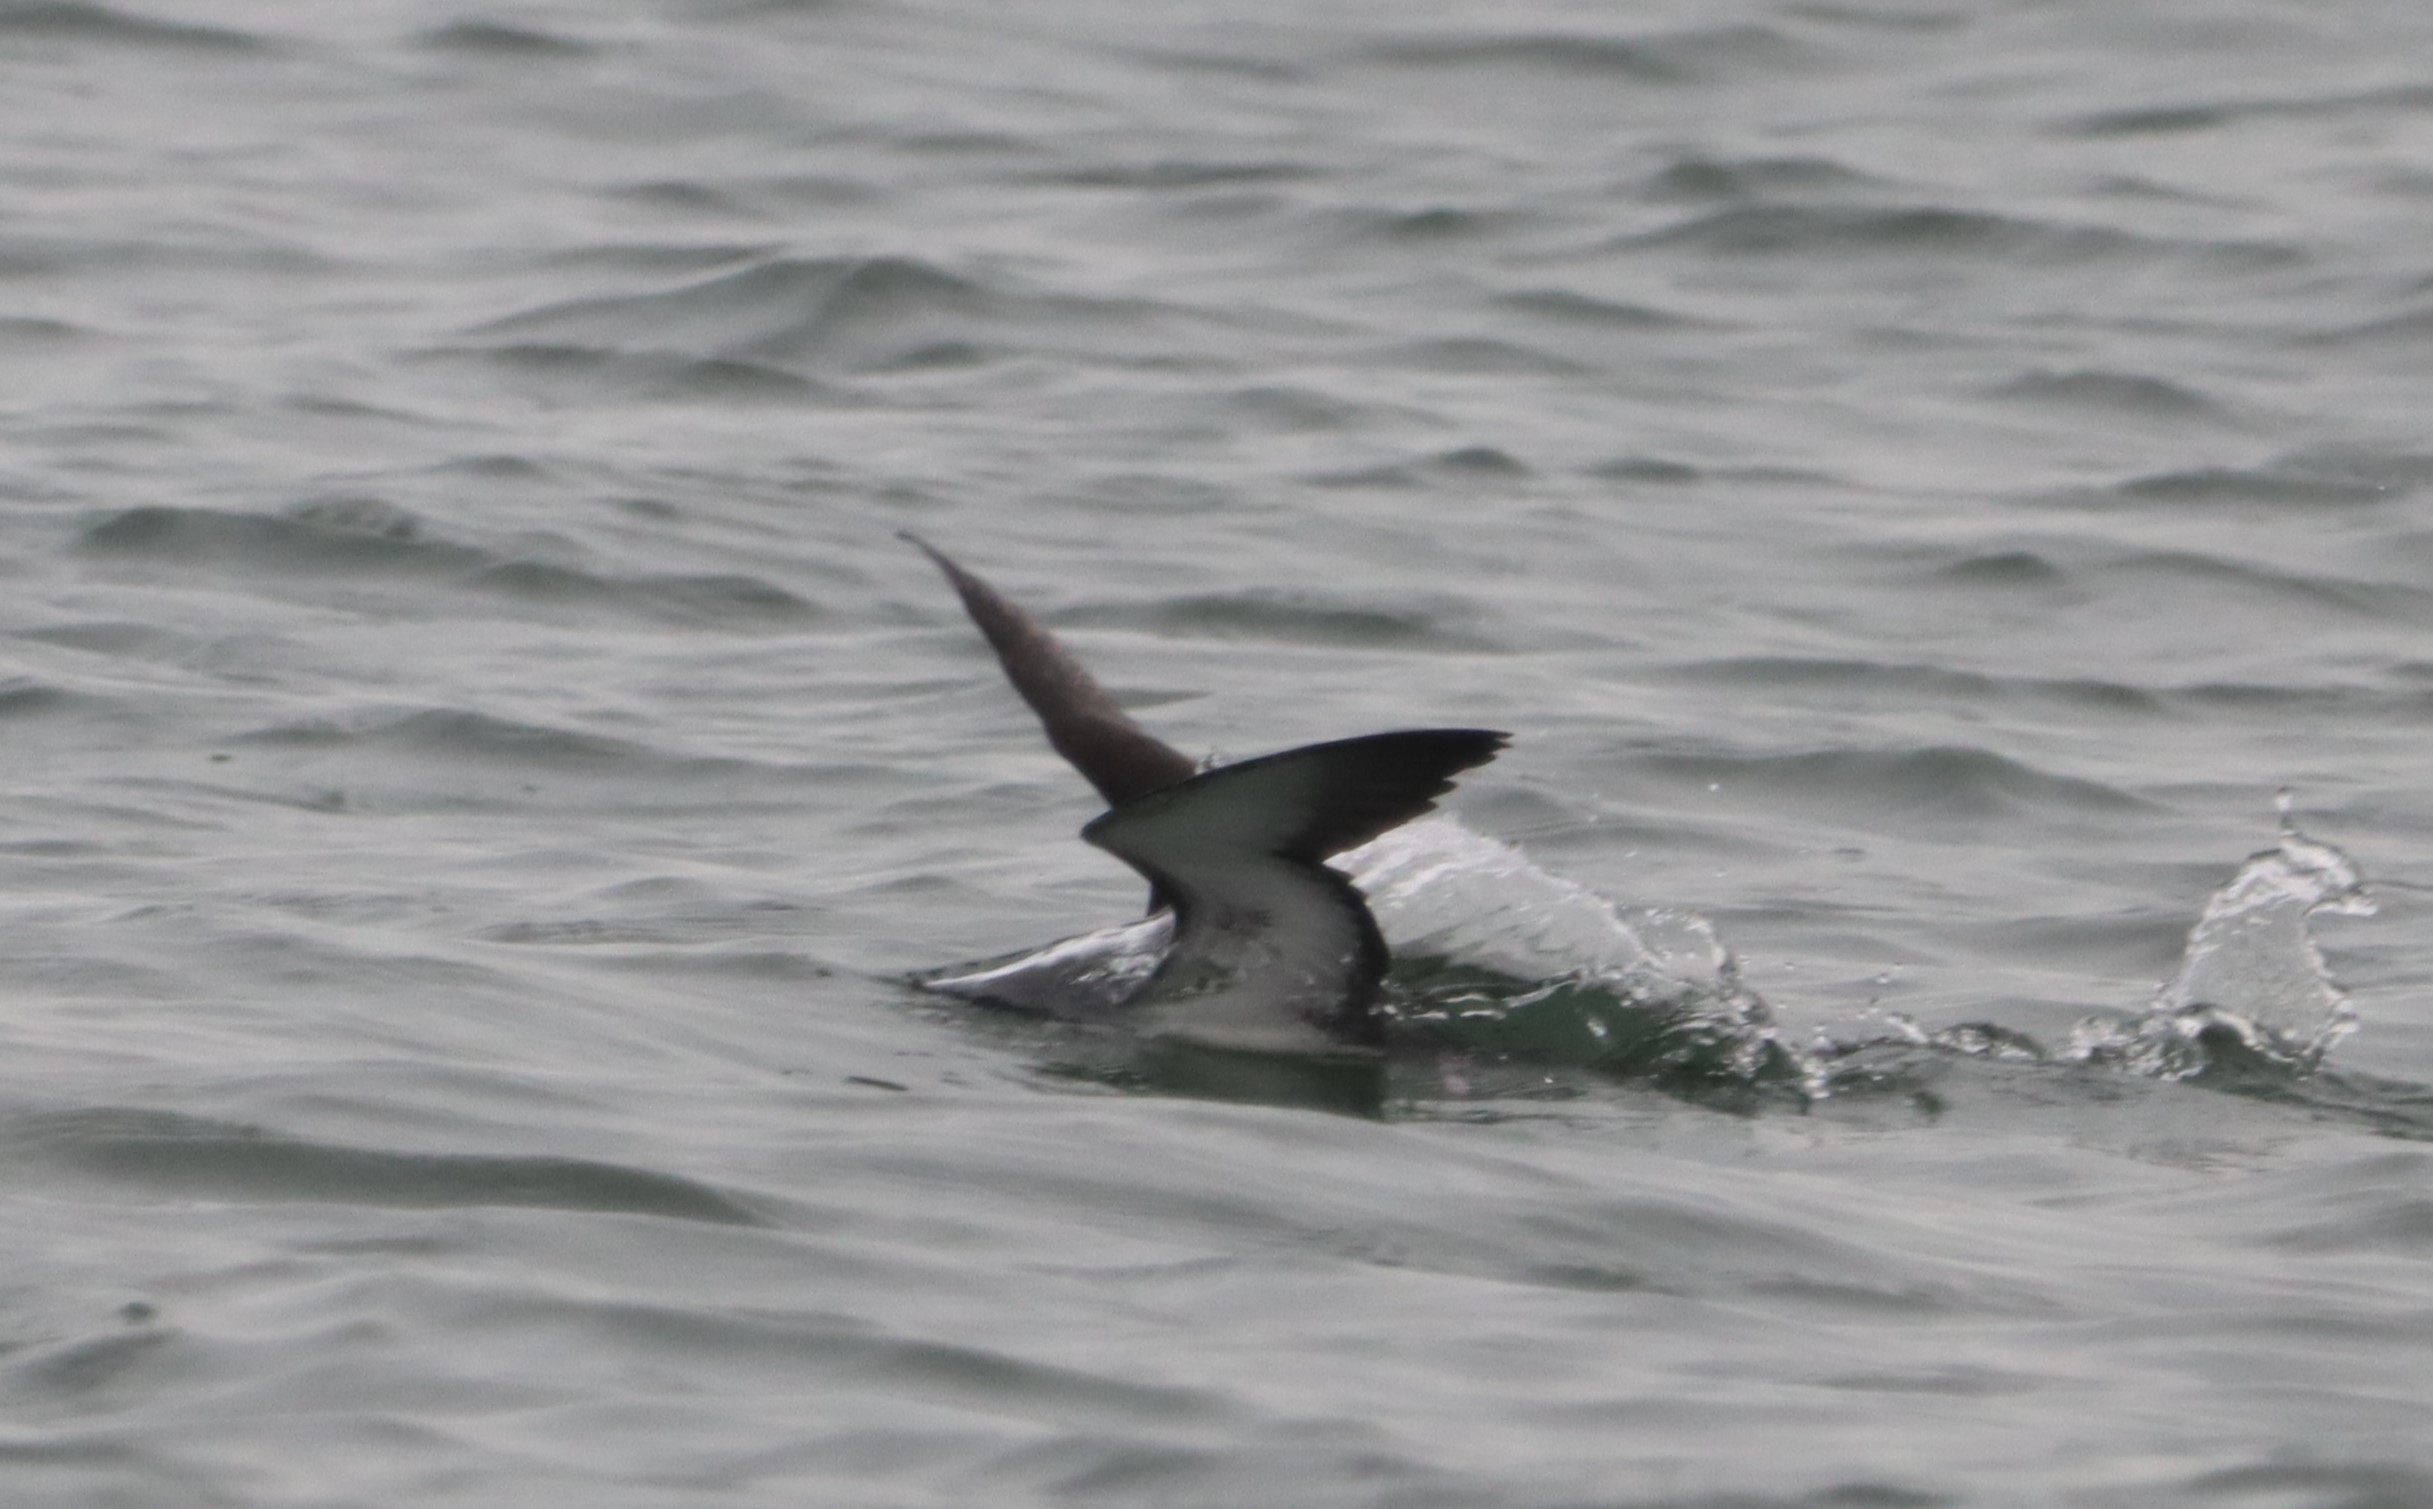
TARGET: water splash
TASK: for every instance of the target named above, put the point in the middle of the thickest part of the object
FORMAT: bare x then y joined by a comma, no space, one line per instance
2252,986
1498,956
1438,889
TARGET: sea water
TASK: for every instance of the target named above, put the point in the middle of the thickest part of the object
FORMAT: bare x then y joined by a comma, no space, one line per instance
1920,480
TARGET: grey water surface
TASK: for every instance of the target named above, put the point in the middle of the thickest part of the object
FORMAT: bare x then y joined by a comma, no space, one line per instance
1920,479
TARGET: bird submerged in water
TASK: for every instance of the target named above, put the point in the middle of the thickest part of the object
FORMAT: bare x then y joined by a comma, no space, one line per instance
1270,951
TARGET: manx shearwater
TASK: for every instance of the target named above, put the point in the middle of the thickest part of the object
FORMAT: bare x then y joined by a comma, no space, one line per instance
1269,950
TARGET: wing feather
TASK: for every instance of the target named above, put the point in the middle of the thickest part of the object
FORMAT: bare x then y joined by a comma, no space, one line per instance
1272,950
1083,723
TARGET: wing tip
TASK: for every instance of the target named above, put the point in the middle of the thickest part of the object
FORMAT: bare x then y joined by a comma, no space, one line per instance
939,558
1473,746
1421,754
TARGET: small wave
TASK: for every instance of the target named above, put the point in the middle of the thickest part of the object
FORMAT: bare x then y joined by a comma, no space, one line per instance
2378,600
2155,120
1646,469
568,370
815,10
321,535
2368,703
1480,356
496,39
23,697
1481,461
1901,787
1658,58
455,734
72,21
1460,465
688,197
2003,568
661,257
1292,618
1792,673
770,301
502,466
1876,16
1614,57
2301,479
19,329
1764,229
1182,173
1572,309
2394,472
1757,178
371,537
1876,231
1274,407
65,1369
854,313
2407,333
2394,1108
2353,1484
1427,225
2109,393
723,600
2159,120
219,1160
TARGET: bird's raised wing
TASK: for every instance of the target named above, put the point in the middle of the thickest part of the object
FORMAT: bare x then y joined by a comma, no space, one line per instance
1112,752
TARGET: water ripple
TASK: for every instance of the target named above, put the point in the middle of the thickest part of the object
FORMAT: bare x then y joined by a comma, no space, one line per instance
369,537
195,1157
1792,673
851,314
2111,393
1680,57
2163,120
1929,784
1937,231
498,39
1297,619
73,21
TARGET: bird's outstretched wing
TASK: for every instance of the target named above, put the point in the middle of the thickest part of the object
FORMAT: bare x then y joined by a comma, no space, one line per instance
1113,753
1273,952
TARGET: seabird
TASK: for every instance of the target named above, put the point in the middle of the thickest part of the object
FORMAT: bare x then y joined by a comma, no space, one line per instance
1270,951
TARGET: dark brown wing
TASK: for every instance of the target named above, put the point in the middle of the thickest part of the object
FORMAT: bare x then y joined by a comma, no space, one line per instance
1273,951
1083,723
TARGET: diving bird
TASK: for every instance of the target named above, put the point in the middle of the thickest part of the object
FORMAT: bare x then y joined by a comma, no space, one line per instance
1269,950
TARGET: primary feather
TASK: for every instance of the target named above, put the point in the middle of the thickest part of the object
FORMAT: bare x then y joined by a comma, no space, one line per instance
1273,951
1083,724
